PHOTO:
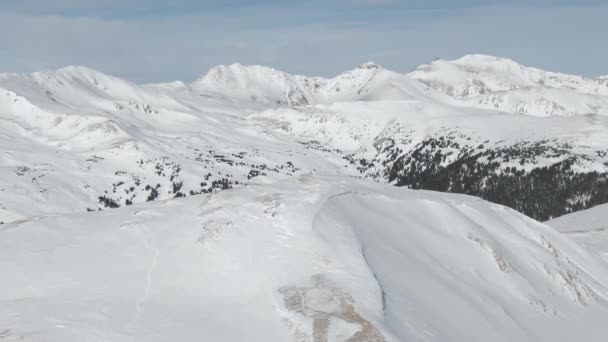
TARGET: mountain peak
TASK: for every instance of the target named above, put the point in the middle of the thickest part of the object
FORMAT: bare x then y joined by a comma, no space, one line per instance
235,72
369,65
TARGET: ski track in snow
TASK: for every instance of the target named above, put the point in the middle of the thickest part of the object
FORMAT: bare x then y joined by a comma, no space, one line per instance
138,227
139,305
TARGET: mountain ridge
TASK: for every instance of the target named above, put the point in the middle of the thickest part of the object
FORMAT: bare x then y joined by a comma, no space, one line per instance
157,141
475,80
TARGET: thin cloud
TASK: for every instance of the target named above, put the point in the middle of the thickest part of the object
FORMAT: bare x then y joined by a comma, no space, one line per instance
303,40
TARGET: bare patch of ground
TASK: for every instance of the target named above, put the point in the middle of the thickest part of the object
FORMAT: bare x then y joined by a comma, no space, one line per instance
322,302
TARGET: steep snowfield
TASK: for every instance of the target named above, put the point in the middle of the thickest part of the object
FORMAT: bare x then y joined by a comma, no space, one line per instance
312,258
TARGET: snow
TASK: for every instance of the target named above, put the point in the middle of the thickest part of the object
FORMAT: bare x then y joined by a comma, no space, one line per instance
306,251
311,256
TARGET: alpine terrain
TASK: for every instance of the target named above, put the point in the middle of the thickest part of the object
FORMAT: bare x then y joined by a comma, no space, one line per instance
253,204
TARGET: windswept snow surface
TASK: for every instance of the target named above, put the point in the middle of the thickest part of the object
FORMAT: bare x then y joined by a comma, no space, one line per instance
594,219
312,258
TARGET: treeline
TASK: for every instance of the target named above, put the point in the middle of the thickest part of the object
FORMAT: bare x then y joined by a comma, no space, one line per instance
542,192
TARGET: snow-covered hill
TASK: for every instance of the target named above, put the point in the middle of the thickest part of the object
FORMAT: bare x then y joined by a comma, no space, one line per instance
307,259
584,222
589,228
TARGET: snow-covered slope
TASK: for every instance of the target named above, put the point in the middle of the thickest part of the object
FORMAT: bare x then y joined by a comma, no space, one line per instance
587,221
76,139
589,228
253,83
308,259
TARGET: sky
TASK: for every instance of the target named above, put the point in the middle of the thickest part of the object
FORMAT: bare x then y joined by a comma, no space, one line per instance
163,40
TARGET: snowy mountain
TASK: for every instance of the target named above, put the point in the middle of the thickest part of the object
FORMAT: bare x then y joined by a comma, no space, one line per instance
473,81
312,258
79,140
474,75
502,84
252,204
367,82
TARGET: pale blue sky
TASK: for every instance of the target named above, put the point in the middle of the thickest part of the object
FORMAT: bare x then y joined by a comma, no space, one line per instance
153,40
